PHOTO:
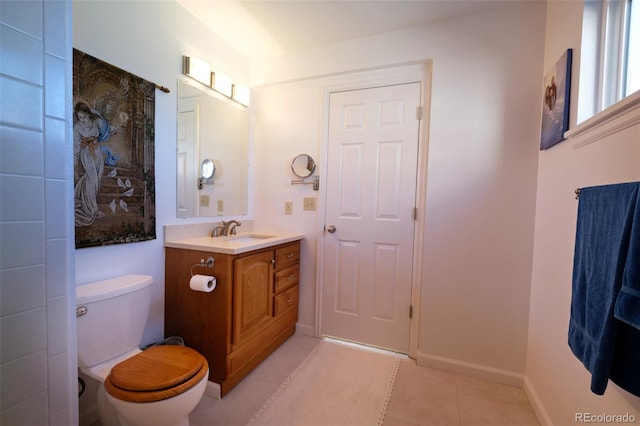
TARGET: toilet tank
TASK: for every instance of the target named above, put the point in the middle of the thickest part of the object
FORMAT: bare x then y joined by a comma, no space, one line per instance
111,316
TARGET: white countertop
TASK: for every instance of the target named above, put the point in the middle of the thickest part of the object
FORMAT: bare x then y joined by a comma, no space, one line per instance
235,244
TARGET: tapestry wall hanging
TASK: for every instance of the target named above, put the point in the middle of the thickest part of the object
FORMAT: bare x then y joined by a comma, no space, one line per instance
555,108
113,145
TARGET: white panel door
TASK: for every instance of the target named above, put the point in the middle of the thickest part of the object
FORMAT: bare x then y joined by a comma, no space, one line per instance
371,193
187,150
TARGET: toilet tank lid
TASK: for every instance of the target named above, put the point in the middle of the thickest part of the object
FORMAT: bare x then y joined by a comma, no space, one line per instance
113,287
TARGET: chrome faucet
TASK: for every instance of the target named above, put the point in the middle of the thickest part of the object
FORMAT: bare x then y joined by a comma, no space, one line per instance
230,227
217,231
225,228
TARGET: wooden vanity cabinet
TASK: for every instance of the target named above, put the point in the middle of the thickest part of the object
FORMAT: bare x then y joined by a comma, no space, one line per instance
252,311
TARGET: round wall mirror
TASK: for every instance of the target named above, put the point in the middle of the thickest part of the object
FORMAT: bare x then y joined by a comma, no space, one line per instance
303,166
207,168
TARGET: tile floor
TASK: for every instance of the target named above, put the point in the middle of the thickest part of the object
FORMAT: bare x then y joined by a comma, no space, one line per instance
421,396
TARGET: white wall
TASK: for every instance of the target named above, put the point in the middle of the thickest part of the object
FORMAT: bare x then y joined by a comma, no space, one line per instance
37,321
483,144
557,382
485,118
148,42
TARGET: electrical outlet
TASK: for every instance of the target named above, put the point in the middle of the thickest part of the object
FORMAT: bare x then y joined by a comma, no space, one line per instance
309,203
288,207
204,200
220,205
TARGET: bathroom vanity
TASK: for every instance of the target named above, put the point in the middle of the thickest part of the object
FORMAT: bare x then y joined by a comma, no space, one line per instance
252,310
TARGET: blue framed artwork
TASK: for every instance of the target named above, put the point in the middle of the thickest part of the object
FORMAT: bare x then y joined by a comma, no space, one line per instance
555,108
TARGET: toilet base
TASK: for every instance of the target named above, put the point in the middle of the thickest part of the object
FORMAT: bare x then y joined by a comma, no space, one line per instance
106,411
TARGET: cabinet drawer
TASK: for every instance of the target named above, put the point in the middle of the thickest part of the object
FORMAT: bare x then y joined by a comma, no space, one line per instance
286,278
286,301
287,255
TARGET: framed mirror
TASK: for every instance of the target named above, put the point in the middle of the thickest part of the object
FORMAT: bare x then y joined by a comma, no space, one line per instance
303,166
211,127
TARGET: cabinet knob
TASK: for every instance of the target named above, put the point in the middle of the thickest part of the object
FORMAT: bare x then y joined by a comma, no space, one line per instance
290,299
290,255
290,277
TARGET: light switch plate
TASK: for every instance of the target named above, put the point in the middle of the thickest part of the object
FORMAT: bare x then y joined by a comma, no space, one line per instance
288,207
204,200
220,205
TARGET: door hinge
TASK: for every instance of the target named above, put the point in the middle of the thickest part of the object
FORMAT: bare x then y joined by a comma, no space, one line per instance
419,112
415,213
410,311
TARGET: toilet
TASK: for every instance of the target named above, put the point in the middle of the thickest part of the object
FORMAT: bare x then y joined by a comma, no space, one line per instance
160,385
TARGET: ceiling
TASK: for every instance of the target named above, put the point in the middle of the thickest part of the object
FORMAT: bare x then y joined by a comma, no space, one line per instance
272,27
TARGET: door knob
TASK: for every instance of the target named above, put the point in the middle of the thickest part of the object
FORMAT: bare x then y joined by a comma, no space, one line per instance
331,229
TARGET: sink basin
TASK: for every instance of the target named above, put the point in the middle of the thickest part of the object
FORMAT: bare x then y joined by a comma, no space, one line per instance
248,238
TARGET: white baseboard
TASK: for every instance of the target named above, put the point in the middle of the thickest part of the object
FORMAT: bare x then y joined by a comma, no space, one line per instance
536,404
213,390
475,370
305,330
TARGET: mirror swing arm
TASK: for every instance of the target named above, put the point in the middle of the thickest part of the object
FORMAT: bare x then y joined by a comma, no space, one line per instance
315,182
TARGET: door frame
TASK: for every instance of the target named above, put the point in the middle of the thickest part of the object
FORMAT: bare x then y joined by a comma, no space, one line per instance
401,74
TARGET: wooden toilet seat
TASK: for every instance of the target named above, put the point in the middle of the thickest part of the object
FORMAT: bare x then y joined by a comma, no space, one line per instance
157,373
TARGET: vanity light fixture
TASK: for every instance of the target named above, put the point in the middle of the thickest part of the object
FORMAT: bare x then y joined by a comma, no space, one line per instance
222,83
240,94
197,69
200,71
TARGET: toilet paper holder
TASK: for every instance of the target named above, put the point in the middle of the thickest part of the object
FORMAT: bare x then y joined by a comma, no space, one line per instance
208,264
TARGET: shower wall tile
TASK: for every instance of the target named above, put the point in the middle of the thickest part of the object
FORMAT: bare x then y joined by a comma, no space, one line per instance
21,55
32,411
25,16
23,334
22,289
26,240
27,375
37,340
21,104
55,41
21,152
62,417
57,325
55,87
57,273
55,147
58,379
56,211
22,198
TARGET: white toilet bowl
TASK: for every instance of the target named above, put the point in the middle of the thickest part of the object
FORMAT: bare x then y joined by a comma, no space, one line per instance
158,386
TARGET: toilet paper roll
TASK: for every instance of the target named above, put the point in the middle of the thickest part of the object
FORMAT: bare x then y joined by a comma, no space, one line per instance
203,283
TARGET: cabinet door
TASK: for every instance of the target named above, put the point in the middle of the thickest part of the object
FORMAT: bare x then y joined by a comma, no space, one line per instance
252,295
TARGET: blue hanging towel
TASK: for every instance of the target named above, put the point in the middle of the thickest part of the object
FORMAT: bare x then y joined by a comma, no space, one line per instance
604,328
